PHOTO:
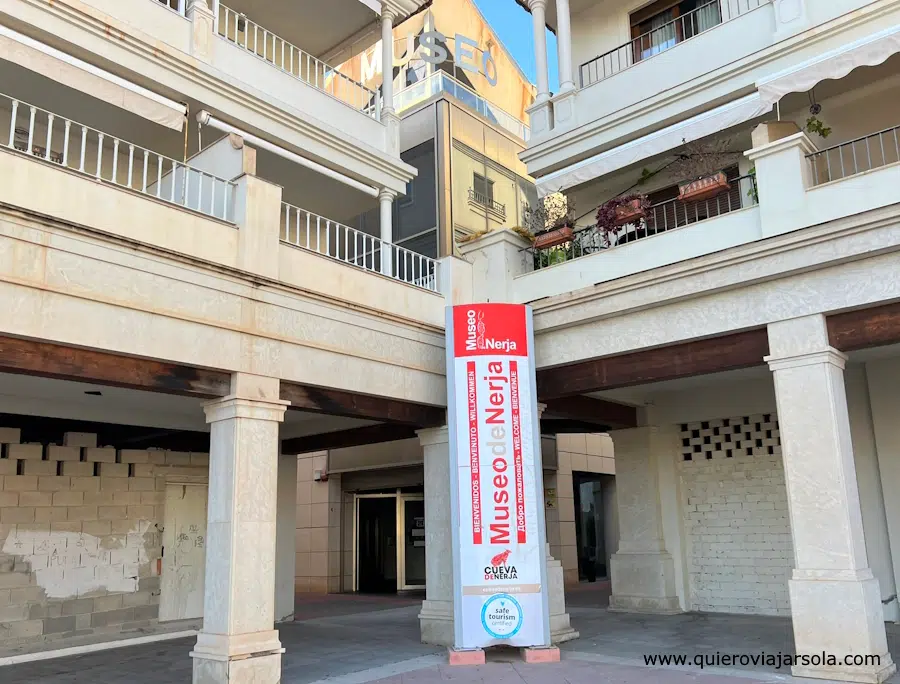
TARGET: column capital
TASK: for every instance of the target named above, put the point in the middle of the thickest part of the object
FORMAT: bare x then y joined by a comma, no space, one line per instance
388,14
431,436
386,195
232,406
540,5
829,355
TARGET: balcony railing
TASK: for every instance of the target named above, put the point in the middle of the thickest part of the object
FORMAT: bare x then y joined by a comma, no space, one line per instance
441,82
178,6
660,218
315,233
74,146
856,156
236,28
664,37
487,202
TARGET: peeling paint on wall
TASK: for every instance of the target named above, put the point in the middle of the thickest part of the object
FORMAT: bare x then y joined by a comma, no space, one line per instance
72,564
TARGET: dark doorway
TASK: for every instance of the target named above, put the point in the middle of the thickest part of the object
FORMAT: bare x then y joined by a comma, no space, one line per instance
377,546
593,519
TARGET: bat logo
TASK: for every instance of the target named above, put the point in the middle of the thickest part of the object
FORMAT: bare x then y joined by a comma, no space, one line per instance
500,558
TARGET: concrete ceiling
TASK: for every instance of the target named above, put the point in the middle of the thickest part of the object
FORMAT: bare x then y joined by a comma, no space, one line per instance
314,26
34,396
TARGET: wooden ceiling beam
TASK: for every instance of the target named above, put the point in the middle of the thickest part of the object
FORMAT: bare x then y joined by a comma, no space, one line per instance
351,405
686,359
608,414
44,359
368,434
864,328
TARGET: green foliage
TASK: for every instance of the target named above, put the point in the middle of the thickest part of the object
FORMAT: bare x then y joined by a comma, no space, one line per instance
815,125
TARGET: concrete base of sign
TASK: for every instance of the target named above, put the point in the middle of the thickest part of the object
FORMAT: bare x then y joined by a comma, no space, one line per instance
469,656
540,654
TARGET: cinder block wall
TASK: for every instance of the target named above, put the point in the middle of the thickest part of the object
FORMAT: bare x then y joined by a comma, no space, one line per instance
80,537
735,510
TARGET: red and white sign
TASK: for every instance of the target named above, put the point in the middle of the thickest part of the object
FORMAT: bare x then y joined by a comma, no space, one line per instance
499,552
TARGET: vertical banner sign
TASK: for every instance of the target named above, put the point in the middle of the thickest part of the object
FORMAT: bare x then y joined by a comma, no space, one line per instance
497,486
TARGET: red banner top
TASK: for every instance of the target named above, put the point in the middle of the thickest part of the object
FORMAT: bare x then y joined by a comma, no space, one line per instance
489,330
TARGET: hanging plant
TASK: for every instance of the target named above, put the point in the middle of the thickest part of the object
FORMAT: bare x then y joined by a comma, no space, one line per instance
814,124
619,212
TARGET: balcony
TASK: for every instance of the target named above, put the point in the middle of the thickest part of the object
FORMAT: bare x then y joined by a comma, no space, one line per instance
857,156
661,218
663,38
481,200
90,152
441,82
238,29
314,233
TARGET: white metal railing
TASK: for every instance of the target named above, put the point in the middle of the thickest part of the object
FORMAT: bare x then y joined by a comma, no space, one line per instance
856,156
442,82
86,150
175,5
664,37
315,233
237,28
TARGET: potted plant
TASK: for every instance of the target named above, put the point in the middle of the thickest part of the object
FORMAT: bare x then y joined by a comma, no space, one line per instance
618,212
552,222
701,163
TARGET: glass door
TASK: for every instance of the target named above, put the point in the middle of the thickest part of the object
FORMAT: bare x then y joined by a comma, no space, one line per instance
411,534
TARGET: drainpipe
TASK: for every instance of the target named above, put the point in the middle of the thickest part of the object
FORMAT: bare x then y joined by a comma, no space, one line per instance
204,118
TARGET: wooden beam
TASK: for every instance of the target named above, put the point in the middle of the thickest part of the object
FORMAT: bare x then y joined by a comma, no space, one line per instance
864,328
698,357
369,434
28,357
563,426
599,412
351,405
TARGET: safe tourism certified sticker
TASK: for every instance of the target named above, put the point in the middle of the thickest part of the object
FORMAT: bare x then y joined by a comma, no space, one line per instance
501,616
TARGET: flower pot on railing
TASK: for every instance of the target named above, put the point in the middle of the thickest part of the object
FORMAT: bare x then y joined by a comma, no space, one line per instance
554,237
632,212
704,188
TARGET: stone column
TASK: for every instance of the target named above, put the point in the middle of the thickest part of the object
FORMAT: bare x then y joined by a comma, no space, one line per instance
386,203
436,617
835,598
643,571
388,112
560,623
541,112
564,46
237,642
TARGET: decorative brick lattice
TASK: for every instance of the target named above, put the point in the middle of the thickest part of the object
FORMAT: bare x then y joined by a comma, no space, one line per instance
735,512
729,437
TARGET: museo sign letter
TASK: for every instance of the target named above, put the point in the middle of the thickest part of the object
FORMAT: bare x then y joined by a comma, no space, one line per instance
497,487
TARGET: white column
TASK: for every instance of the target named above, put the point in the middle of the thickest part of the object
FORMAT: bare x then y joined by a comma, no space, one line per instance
387,60
238,642
564,46
835,598
642,570
539,24
436,616
386,203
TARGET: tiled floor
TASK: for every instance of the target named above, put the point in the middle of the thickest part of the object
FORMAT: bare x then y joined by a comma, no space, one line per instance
355,640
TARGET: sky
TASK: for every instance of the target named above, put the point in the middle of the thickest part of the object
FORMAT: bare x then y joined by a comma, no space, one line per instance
513,26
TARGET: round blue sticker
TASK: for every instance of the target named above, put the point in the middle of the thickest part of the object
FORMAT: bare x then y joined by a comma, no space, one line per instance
501,616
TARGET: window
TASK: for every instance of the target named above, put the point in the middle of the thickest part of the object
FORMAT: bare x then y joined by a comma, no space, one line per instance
665,23
484,189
